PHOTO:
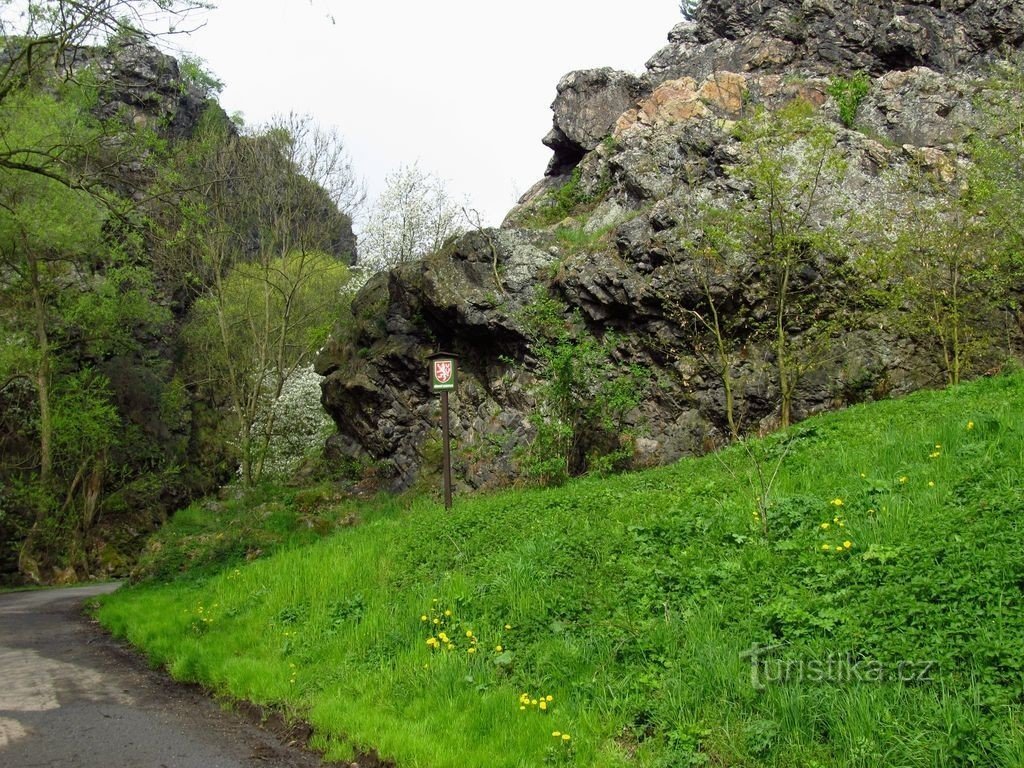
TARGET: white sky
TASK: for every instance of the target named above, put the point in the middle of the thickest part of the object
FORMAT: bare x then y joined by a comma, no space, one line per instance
463,87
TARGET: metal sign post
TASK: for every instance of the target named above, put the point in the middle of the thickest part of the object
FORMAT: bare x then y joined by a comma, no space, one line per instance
443,367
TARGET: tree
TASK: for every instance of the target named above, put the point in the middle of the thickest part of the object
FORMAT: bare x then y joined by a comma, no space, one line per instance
412,217
74,290
258,234
71,296
713,247
789,227
947,283
955,266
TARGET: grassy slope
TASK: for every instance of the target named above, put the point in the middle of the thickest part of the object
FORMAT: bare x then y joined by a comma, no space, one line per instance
632,601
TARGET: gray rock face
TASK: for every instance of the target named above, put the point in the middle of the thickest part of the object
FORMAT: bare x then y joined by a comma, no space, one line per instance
377,382
839,37
647,151
586,107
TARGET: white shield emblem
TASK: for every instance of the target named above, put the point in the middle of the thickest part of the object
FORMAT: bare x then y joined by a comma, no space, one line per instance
443,371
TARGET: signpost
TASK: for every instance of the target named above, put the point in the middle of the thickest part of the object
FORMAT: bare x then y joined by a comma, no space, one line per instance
443,368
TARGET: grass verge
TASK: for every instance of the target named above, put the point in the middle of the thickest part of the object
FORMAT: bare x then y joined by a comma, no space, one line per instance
874,618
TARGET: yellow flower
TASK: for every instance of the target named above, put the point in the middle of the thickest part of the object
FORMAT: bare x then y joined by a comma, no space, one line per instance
931,483
938,445
842,524
566,737
543,705
437,621
837,502
432,642
903,479
444,637
498,648
556,734
824,526
847,543
533,702
549,697
934,454
471,650
423,618
447,612
469,633
508,626
970,425
826,547
521,708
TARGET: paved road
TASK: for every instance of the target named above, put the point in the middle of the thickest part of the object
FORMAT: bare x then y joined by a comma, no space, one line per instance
72,698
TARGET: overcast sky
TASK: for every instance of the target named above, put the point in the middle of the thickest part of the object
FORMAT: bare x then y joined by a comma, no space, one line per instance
461,86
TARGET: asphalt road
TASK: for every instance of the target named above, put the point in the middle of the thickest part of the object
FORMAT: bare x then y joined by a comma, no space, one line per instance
70,697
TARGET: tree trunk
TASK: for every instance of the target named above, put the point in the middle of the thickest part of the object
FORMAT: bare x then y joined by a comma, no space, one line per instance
781,350
42,381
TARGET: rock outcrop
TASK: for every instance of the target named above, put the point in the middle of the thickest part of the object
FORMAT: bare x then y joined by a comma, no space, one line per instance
607,233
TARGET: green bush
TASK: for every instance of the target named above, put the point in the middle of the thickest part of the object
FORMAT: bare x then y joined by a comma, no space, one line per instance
849,92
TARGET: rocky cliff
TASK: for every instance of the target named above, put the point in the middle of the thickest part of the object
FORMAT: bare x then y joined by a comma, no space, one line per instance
618,231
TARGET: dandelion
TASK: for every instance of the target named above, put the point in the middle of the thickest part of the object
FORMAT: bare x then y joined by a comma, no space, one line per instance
566,737
835,520
543,706
444,637
549,697
432,642
970,425
837,502
521,708
498,649
847,544
423,618
533,702
903,479
934,454
471,649
508,626
824,526
437,621
826,547
931,483
447,612
469,633
556,734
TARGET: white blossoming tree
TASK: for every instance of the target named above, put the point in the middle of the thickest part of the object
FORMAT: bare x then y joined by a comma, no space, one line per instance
294,423
412,217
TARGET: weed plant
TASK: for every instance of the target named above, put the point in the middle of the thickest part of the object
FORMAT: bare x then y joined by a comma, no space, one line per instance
876,620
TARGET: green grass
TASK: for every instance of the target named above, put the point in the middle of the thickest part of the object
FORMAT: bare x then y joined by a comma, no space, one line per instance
635,601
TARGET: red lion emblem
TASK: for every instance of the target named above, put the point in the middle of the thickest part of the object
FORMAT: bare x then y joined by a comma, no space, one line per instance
443,371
